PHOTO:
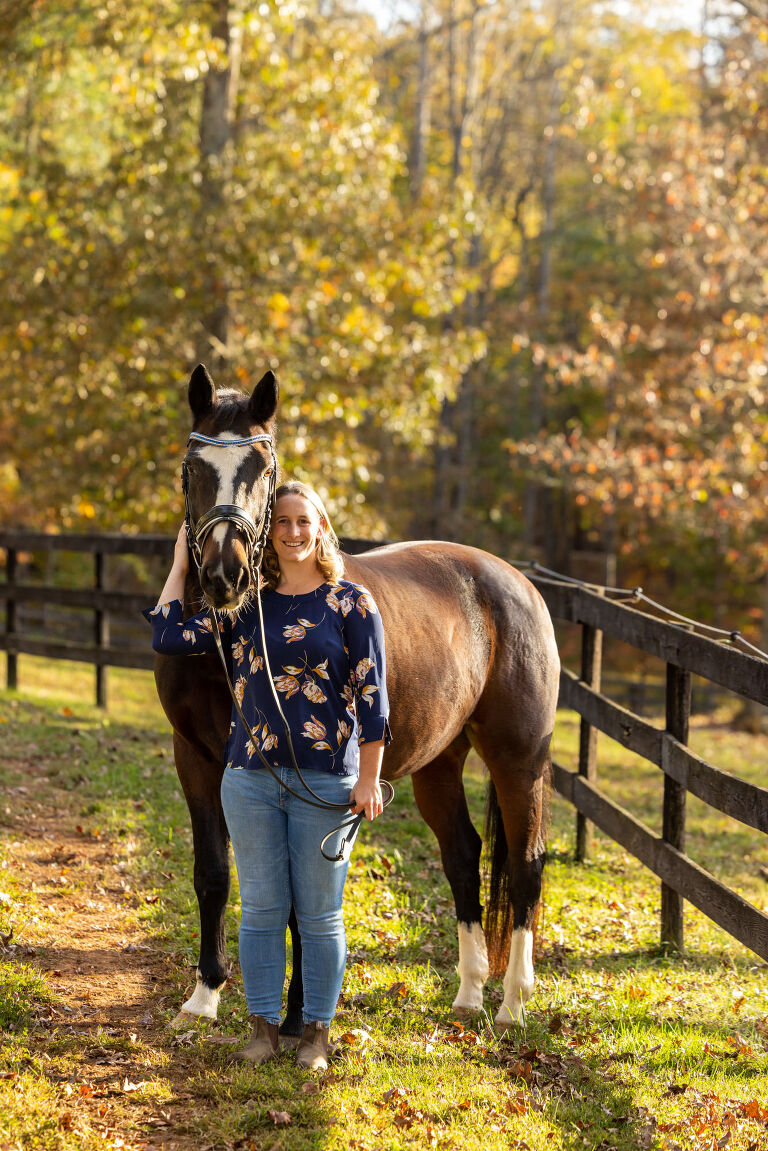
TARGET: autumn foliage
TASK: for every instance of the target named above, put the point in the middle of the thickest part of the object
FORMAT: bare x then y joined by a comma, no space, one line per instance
508,262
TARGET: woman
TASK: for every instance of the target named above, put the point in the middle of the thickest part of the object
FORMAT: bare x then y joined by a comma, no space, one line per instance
325,646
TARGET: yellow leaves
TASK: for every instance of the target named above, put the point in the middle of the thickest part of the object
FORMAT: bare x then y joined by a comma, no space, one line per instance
279,303
86,509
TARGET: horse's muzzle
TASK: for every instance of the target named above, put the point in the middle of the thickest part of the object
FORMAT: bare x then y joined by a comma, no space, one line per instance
225,587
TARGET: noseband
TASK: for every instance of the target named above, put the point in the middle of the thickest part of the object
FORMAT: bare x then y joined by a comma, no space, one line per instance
197,533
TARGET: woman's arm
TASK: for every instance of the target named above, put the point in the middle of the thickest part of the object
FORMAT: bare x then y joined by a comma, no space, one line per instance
366,794
174,585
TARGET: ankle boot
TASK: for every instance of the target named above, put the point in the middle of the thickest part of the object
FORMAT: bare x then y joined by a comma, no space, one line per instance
263,1042
312,1051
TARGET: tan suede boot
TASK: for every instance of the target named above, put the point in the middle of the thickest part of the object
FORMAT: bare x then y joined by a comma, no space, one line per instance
263,1042
312,1051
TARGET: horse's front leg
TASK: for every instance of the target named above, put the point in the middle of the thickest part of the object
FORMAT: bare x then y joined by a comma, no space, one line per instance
293,1023
200,778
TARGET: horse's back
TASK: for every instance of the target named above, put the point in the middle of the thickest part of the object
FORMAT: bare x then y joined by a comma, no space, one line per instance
464,630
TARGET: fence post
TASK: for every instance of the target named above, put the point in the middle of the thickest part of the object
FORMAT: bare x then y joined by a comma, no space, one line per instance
11,658
591,670
101,629
673,824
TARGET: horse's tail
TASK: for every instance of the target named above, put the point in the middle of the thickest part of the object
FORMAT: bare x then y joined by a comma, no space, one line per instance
498,908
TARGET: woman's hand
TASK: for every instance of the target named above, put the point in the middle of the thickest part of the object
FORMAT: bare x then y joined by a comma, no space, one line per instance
174,585
366,796
181,553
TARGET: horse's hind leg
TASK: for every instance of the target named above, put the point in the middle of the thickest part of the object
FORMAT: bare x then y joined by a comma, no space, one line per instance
440,798
293,1024
200,779
515,830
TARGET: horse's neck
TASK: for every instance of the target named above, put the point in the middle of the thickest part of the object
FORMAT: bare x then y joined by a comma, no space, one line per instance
193,594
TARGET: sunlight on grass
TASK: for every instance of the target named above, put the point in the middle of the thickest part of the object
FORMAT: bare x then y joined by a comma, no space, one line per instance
622,1047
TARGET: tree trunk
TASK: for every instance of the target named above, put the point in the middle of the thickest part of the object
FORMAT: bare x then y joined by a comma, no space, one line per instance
216,124
422,117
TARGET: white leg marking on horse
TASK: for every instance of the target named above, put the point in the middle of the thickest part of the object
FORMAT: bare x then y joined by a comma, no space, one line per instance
518,981
473,967
203,1003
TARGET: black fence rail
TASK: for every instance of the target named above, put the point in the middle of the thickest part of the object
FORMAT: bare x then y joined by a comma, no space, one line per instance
684,653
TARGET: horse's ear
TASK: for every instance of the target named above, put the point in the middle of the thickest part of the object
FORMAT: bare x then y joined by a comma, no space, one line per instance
263,402
202,392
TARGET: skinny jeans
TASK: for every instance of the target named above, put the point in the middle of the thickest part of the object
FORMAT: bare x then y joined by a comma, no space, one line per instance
276,840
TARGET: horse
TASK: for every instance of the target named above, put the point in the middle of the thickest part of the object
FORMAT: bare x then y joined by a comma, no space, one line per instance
471,663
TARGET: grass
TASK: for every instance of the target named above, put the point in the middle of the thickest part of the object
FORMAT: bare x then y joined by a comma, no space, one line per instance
624,1046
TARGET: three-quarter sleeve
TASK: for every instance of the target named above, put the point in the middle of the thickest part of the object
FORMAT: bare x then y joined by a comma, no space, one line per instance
368,667
173,635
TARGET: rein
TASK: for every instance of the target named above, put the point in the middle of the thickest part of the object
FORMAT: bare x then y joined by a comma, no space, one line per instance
257,538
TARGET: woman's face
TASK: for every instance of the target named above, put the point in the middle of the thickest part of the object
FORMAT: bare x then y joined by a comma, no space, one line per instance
295,529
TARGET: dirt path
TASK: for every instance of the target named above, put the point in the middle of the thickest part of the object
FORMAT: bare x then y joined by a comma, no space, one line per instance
123,1075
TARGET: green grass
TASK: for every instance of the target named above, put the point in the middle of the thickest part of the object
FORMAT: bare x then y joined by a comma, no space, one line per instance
623,1047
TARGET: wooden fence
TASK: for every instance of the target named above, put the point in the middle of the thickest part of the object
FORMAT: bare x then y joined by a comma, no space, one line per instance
684,653
107,604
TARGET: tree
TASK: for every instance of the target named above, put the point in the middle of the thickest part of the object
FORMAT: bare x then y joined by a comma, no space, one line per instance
245,205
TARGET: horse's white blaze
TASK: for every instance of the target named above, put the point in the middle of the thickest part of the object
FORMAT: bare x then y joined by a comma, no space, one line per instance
518,980
204,1001
217,536
226,462
473,967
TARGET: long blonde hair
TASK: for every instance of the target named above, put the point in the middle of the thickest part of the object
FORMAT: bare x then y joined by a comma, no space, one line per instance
327,556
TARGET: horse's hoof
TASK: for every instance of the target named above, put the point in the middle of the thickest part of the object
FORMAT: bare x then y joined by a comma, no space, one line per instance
505,1026
466,1014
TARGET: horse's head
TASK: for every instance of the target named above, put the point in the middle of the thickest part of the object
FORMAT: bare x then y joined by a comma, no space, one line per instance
229,483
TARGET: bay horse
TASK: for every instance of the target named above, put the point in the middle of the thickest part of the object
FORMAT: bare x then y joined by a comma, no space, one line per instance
471,663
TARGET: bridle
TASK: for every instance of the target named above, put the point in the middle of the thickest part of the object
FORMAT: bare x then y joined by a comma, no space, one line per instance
257,536
197,533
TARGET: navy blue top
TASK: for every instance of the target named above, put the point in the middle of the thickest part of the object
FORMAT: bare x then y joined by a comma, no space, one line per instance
326,654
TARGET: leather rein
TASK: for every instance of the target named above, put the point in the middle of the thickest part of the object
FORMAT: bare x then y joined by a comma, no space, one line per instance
197,534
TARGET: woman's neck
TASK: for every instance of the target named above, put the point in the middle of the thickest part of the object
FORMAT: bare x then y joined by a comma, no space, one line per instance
298,582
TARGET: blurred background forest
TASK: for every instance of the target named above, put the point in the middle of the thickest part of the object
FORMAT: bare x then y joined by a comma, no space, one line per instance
508,260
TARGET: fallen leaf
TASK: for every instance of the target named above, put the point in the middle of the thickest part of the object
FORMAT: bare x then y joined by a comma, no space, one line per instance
675,1089
280,1118
310,1088
394,1093
555,1024
128,1086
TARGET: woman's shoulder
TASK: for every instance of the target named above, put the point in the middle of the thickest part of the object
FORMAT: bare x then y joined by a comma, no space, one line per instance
342,587
351,596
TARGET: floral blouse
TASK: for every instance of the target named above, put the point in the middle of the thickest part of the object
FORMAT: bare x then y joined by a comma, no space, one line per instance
326,654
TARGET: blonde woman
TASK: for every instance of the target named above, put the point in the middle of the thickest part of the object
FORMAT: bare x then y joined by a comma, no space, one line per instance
325,646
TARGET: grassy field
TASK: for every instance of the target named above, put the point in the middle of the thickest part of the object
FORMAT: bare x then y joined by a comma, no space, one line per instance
623,1046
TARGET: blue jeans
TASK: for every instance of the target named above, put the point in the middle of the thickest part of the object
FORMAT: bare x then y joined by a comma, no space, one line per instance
276,840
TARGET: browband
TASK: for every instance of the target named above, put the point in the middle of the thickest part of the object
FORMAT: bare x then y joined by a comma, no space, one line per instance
263,438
